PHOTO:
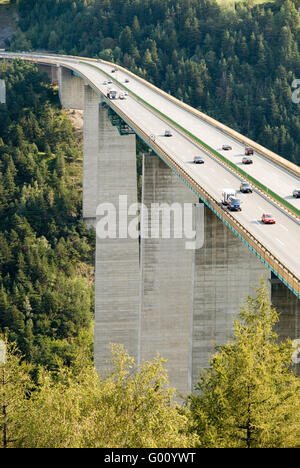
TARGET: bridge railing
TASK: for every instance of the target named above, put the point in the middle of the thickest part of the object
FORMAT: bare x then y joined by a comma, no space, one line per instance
287,276
232,166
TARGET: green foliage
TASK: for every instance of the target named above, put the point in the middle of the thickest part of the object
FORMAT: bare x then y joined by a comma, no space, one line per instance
74,408
236,65
250,396
44,300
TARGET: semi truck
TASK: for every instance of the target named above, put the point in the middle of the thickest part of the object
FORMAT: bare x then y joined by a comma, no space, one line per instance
226,194
112,94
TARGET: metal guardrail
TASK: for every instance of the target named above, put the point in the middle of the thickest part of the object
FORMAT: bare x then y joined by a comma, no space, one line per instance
240,172
286,275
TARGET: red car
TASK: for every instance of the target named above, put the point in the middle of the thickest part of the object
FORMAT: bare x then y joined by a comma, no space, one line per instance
267,218
249,151
226,147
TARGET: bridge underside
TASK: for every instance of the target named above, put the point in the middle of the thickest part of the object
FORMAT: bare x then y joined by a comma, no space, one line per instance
156,296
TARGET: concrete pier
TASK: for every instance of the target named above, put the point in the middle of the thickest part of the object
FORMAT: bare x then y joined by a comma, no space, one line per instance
71,89
90,154
288,307
117,260
2,92
226,272
166,281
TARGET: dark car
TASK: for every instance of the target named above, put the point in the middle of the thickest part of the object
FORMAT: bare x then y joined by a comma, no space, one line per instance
246,188
249,151
296,193
247,160
226,147
234,204
198,160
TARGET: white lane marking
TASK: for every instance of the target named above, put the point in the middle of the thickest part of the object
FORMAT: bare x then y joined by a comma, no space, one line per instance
278,240
283,227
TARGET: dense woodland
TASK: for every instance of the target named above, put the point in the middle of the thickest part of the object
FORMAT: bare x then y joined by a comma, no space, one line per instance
236,65
249,398
45,250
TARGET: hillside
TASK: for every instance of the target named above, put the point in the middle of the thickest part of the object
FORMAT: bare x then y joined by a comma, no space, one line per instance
236,65
8,19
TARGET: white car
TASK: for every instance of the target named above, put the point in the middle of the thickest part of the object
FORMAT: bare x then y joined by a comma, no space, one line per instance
122,96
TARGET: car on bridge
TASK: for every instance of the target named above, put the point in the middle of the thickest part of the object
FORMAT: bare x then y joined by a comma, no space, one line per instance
234,204
249,151
296,193
247,160
126,80
168,133
246,188
268,218
198,160
122,95
226,147
109,81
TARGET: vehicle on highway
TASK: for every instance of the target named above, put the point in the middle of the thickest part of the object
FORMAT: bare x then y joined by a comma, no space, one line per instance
234,204
268,218
249,151
168,133
126,80
105,82
109,81
122,96
114,70
246,188
296,193
112,94
226,147
230,192
247,160
198,160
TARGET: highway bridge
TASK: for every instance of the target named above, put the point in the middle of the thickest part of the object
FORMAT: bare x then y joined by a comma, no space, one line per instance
156,296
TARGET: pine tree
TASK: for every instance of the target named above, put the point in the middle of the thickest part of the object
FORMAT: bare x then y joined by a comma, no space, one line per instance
250,397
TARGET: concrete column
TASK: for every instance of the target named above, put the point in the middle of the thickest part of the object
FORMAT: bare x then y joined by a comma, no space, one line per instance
288,306
90,153
50,70
2,92
166,280
71,89
117,260
226,272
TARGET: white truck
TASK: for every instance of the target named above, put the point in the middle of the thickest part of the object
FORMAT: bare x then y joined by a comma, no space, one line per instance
112,94
226,194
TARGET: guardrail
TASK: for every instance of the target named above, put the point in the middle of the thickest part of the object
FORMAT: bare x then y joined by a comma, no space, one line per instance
287,276
240,172
287,165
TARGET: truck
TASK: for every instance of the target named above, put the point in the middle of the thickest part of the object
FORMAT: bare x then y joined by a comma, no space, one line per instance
112,94
226,194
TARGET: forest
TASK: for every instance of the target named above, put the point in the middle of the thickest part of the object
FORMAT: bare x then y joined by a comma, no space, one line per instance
237,65
46,253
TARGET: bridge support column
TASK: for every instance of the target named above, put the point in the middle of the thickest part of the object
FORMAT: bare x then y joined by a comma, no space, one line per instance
117,259
226,272
90,154
288,306
2,92
71,89
166,280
